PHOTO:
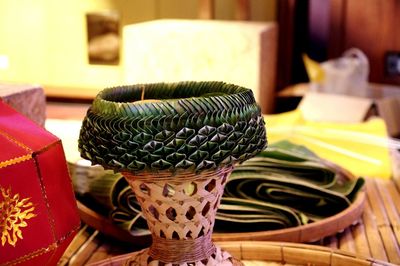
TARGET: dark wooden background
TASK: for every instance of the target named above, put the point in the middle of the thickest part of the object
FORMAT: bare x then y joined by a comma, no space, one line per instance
324,29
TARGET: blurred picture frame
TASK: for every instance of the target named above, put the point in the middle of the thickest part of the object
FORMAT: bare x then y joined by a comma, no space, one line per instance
103,37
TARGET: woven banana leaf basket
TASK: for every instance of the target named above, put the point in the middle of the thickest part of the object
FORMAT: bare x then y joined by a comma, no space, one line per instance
176,144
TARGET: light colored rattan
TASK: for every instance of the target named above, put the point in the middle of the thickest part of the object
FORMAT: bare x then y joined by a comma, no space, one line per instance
180,212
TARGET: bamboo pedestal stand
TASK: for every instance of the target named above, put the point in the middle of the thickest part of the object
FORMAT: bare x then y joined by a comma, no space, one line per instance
180,212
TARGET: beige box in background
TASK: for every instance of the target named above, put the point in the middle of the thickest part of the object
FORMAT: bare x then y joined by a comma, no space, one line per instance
382,101
243,53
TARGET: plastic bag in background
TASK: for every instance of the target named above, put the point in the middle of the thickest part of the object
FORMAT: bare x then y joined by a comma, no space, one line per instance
347,74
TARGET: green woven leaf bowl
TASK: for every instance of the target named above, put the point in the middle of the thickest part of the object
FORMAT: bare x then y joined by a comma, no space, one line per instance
183,126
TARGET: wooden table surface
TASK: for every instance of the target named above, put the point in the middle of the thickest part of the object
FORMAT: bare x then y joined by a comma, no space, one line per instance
376,234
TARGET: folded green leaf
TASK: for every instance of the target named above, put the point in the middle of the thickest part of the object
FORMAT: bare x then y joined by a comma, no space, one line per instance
234,213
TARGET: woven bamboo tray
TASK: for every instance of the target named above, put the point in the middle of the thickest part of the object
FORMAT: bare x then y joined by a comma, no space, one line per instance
257,253
305,233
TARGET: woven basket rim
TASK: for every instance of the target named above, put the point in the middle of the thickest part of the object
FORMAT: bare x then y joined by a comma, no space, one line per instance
128,97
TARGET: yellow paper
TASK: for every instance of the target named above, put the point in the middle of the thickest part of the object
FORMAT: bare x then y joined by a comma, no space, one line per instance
362,148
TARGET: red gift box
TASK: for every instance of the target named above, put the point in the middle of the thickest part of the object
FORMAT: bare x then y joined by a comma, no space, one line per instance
38,212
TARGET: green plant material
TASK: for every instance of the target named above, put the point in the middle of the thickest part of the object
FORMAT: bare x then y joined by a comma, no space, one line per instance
284,186
239,215
195,126
287,176
127,212
282,158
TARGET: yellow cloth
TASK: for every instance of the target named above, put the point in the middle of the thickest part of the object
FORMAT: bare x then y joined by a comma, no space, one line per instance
361,148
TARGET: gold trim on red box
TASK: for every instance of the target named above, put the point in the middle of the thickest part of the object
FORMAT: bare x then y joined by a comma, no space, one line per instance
15,212
15,160
26,157
19,143
41,251
31,255
44,195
